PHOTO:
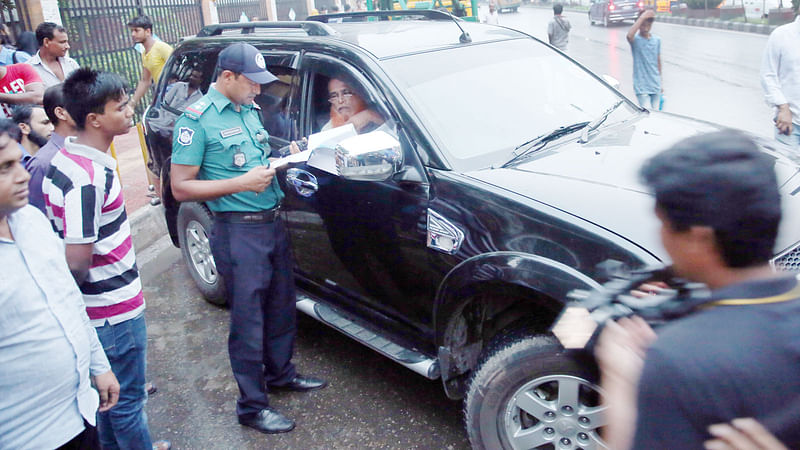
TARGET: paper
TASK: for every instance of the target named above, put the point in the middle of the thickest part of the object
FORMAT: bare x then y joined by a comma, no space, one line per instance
330,138
293,158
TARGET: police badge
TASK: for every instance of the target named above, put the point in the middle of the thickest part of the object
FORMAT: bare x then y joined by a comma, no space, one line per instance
239,158
185,135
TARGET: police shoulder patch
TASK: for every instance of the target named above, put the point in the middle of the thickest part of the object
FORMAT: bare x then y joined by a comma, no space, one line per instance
185,135
196,109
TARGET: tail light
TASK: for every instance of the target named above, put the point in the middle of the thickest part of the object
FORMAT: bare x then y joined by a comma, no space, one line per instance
640,5
611,7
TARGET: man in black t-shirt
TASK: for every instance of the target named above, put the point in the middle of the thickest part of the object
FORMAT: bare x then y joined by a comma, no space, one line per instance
736,354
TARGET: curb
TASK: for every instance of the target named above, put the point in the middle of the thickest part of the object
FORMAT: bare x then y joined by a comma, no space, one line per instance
757,28
147,226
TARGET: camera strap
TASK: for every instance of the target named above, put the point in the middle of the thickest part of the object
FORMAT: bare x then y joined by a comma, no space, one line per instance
793,294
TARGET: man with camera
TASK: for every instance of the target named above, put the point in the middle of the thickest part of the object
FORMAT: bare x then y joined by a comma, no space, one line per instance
735,353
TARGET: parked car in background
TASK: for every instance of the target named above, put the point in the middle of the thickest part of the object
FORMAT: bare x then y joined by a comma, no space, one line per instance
504,177
613,11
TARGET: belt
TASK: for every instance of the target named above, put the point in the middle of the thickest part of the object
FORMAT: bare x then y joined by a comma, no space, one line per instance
265,216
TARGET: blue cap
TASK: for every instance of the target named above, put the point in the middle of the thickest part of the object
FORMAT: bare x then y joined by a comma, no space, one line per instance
247,60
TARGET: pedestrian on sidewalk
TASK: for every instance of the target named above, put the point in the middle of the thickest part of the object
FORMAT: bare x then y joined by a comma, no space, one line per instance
35,127
646,48
558,29
19,85
51,61
49,353
84,202
780,79
63,126
154,56
491,17
249,240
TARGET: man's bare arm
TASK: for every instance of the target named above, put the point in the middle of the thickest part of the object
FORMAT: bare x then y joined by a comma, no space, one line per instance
635,28
33,94
186,186
79,259
142,87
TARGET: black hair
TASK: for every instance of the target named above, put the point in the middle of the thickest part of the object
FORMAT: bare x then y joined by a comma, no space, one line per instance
46,30
87,91
720,180
53,98
9,127
141,22
558,8
335,8
347,7
26,41
22,114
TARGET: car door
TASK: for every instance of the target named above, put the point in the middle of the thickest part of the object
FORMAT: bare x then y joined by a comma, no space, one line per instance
360,243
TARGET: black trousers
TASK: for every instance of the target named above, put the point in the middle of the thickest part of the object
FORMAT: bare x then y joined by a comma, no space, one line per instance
85,440
256,264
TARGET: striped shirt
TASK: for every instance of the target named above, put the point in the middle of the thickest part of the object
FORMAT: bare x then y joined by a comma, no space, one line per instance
83,199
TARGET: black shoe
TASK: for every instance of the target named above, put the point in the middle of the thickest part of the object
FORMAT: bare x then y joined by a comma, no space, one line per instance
301,383
267,421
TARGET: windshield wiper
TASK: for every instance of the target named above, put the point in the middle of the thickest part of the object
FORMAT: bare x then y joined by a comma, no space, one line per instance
597,122
538,142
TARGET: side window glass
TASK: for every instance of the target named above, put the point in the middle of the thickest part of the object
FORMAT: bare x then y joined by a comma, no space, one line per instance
275,104
189,78
340,96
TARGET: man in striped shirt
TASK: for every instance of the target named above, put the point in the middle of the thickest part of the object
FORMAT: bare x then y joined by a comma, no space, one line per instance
83,199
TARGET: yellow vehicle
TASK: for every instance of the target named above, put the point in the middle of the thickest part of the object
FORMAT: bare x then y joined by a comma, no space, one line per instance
508,5
658,5
466,9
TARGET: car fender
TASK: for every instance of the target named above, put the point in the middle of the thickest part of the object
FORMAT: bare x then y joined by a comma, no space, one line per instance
532,272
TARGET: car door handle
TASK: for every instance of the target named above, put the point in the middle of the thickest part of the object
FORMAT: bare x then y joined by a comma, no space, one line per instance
304,182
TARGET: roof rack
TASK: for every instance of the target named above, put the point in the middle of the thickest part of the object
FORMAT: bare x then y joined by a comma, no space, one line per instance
314,28
430,14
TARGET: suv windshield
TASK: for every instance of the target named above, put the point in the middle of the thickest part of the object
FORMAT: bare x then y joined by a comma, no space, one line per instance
481,101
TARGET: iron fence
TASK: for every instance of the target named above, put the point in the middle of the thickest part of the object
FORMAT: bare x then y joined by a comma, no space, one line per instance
99,36
16,18
231,10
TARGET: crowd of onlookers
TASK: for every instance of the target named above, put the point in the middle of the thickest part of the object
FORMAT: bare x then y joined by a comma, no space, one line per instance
72,300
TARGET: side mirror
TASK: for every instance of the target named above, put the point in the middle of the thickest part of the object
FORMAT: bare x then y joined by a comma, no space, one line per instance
612,81
374,156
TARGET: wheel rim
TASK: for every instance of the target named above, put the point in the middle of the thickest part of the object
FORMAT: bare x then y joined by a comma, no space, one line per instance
200,252
555,411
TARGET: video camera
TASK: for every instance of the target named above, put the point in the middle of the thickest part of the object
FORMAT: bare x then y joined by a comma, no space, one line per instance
582,319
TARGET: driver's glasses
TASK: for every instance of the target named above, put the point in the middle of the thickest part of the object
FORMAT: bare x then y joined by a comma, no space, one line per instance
343,95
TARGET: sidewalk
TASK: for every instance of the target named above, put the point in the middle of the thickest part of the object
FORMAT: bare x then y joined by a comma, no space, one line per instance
147,222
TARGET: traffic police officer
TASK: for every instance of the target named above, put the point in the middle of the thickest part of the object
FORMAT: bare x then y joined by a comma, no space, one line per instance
220,156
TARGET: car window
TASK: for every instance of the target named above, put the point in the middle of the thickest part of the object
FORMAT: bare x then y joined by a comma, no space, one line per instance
339,95
481,101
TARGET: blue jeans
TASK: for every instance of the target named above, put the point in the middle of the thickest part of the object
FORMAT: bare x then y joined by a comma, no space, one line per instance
793,139
125,425
653,99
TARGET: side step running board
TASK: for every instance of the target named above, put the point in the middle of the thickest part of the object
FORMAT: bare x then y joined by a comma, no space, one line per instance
411,359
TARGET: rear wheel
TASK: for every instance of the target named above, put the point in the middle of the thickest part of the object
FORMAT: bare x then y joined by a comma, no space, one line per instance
532,394
194,228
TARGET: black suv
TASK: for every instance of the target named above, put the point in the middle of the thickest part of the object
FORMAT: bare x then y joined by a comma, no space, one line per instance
449,243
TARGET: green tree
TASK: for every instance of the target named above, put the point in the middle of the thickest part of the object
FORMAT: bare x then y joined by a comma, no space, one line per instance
796,5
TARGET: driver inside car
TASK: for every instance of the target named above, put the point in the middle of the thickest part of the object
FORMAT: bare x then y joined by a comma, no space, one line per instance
348,105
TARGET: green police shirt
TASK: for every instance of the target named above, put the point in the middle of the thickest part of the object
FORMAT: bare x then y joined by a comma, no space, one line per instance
225,143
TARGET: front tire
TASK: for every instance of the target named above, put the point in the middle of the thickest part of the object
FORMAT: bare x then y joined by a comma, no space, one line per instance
194,228
532,394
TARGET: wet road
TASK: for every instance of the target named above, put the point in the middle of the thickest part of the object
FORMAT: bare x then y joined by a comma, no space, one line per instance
371,402
709,74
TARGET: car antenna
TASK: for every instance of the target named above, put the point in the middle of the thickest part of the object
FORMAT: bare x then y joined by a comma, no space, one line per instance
465,38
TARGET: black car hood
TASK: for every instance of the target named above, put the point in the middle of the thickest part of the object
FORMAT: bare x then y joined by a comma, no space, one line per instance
599,182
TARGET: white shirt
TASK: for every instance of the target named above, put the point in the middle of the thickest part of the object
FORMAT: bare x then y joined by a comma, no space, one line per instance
780,68
48,349
68,65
